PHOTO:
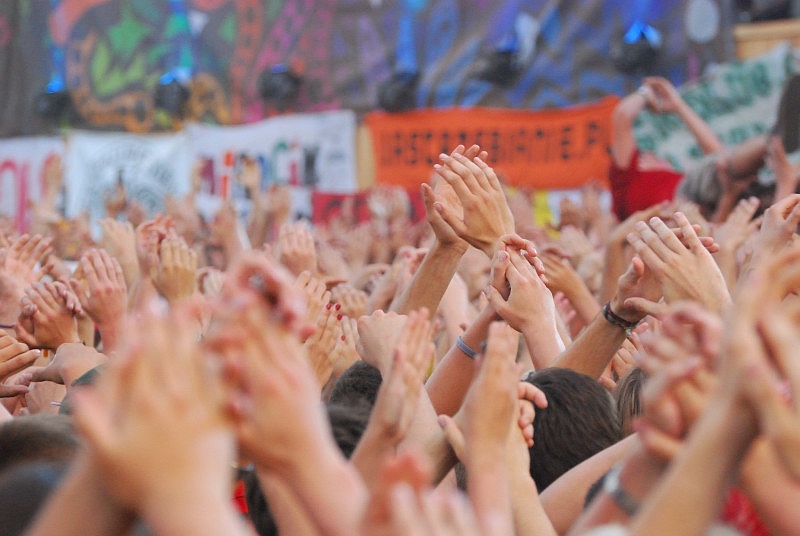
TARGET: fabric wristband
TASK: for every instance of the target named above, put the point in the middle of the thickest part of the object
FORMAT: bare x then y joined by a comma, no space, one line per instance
616,320
461,345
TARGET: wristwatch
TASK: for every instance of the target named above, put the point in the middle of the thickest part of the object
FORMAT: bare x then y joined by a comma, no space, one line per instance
613,486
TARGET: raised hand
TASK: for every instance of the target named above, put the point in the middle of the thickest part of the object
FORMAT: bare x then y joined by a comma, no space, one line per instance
25,253
47,320
778,229
15,357
398,396
379,334
173,270
103,293
255,275
175,477
320,345
317,296
148,238
69,363
296,247
352,300
119,240
679,362
684,272
486,215
760,353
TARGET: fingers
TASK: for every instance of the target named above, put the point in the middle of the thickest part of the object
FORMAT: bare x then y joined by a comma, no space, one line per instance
454,436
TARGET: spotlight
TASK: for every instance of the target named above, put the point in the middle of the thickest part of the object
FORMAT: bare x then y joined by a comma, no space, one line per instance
280,86
172,94
397,94
638,49
501,67
54,101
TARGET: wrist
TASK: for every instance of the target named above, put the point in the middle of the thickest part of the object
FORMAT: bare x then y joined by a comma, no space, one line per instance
626,314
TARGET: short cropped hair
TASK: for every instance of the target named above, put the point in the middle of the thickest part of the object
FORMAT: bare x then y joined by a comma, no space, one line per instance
579,421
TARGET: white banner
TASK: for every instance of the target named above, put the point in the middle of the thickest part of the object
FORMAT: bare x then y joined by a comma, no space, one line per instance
306,151
22,165
738,100
149,166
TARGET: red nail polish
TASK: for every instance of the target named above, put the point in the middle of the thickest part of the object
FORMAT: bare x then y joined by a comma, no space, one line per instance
328,306
338,306
338,317
343,338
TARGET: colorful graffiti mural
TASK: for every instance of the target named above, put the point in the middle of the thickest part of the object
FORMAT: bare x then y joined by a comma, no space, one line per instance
115,51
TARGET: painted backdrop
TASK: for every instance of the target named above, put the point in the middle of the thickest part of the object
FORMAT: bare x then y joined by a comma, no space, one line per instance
111,53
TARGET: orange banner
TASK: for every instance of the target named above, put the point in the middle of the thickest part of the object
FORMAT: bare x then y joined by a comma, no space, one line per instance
547,149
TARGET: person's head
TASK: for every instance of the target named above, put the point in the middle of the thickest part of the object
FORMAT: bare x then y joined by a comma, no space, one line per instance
360,382
474,269
579,421
626,396
23,490
37,438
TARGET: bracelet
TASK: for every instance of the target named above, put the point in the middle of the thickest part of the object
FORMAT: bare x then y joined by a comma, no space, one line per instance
613,486
626,325
461,345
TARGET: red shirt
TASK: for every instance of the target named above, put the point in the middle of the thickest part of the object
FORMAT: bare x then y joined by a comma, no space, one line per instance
633,189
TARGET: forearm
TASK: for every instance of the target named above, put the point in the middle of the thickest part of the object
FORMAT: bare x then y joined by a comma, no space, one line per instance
709,142
564,499
201,515
726,260
430,280
287,511
451,379
614,266
639,476
585,305
329,489
488,483
372,450
529,515
80,506
544,344
591,352
772,491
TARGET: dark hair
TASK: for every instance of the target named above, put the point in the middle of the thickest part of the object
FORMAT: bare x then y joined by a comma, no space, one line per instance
23,490
37,438
360,382
579,421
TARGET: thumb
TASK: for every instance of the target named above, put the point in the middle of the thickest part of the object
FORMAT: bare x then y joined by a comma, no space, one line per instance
495,299
453,435
450,219
645,306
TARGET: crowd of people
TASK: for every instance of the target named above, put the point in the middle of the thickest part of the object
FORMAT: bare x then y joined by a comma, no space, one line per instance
623,372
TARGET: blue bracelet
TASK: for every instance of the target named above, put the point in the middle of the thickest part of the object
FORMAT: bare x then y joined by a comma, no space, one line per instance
461,345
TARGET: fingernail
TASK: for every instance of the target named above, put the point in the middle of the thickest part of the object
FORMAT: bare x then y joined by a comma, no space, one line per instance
328,306
343,338
338,317
338,306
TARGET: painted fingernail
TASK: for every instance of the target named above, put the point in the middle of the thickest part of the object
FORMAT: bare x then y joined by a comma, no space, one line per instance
343,338
338,317
328,306
338,306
